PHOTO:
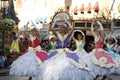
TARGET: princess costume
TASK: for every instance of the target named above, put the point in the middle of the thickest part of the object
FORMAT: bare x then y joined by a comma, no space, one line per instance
28,64
53,45
15,44
115,56
63,64
99,60
79,45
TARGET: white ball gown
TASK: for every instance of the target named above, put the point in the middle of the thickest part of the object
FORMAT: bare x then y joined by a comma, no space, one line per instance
28,64
63,64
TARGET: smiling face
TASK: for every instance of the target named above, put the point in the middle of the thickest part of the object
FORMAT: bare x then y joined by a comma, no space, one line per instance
63,29
34,32
111,41
53,39
98,32
79,36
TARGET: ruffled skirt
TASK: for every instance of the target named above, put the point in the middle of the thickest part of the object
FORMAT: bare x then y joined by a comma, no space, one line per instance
26,65
101,63
60,67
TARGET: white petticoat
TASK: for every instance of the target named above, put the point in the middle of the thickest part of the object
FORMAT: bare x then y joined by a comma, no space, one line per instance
25,66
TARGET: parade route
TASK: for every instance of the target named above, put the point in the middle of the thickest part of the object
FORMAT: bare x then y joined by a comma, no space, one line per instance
114,77
13,78
4,75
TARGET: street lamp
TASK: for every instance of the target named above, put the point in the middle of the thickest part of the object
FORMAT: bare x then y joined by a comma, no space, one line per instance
4,5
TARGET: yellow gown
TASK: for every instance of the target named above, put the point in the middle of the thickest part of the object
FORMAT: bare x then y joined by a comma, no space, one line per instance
15,46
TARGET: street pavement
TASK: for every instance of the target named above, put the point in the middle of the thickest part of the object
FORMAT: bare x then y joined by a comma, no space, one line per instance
114,77
4,75
14,78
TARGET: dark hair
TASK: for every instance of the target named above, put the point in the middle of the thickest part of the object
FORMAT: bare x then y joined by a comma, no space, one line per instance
78,33
14,33
110,39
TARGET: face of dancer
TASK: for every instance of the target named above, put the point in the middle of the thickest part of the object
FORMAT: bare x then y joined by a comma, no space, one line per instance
80,36
98,32
110,41
53,39
34,32
63,29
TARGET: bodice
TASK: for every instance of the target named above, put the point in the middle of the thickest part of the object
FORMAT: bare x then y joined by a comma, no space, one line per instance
53,45
99,43
34,43
14,37
79,45
110,48
62,41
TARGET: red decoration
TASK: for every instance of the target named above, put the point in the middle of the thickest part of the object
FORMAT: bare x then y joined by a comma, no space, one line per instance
96,7
89,8
75,10
82,8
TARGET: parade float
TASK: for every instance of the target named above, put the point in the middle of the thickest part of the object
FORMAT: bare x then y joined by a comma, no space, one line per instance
78,12
6,26
81,15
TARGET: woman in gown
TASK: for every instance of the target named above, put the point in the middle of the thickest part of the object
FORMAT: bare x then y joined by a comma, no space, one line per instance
79,39
98,59
28,64
111,44
63,64
53,43
15,44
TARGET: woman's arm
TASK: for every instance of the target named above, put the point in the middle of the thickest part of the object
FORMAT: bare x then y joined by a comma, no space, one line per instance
26,35
38,35
71,27
70,33
52,28
73,39
101,27
102,36
83,40
92,28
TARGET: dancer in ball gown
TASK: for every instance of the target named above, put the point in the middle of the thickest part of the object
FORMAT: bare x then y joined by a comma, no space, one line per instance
111,47
28,64
79,39
63,64
98,59
53,43
15,44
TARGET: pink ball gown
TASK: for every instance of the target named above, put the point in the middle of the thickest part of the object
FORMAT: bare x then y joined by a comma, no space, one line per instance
99,60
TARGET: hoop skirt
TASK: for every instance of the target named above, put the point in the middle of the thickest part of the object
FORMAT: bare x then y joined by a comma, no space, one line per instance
62,65
116,58
101,62
25,65
28,64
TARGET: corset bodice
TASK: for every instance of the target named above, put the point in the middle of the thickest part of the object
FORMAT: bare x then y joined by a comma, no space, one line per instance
34,43
99,44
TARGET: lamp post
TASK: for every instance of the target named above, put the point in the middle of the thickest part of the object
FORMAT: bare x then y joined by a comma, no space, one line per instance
3,9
